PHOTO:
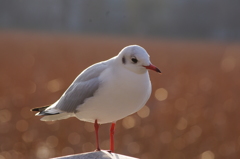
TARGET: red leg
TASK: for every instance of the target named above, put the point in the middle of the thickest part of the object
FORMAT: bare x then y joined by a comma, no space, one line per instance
96,126
112,137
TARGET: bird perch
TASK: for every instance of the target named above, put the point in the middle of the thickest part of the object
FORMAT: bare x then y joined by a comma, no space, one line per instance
96,155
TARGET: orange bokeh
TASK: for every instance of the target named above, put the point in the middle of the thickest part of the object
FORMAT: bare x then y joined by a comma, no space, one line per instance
193,111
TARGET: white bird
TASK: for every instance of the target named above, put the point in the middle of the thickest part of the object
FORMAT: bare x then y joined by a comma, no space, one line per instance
106,91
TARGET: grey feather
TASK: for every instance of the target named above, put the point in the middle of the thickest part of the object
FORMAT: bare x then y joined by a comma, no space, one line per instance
83,87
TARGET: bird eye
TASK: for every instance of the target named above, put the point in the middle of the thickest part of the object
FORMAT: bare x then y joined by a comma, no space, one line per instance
134,60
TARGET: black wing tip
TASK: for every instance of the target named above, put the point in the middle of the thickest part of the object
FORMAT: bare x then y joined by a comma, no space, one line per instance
45,113
39,109
34,109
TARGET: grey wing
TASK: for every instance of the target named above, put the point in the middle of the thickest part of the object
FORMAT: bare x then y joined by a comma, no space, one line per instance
77,94
83,87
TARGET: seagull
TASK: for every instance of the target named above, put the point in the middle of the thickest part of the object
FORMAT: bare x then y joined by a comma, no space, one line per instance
106,91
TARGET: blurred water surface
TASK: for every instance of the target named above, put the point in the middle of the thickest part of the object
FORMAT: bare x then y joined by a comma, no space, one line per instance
193,112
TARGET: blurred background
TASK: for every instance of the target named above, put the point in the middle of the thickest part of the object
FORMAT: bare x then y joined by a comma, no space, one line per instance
193,112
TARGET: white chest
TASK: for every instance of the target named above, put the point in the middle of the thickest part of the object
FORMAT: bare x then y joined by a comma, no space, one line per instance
119,96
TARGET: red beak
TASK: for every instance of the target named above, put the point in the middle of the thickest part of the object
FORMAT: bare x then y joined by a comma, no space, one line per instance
152,67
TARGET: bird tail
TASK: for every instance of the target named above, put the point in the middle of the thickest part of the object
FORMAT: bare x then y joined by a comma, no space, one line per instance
51,114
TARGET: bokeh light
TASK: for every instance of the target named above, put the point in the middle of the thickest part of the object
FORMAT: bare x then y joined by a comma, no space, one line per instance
207,155
144,112
228,63
43,152
29,136
161,94
182,124
128,122
133,148
5,115
88,147
74,138
55,85
193,111
52,141
67,151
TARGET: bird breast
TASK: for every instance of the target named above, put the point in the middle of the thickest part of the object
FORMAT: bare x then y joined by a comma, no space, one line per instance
118,96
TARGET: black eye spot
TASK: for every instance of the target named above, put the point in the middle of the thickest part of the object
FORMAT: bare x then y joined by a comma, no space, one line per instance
134,60
123,60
